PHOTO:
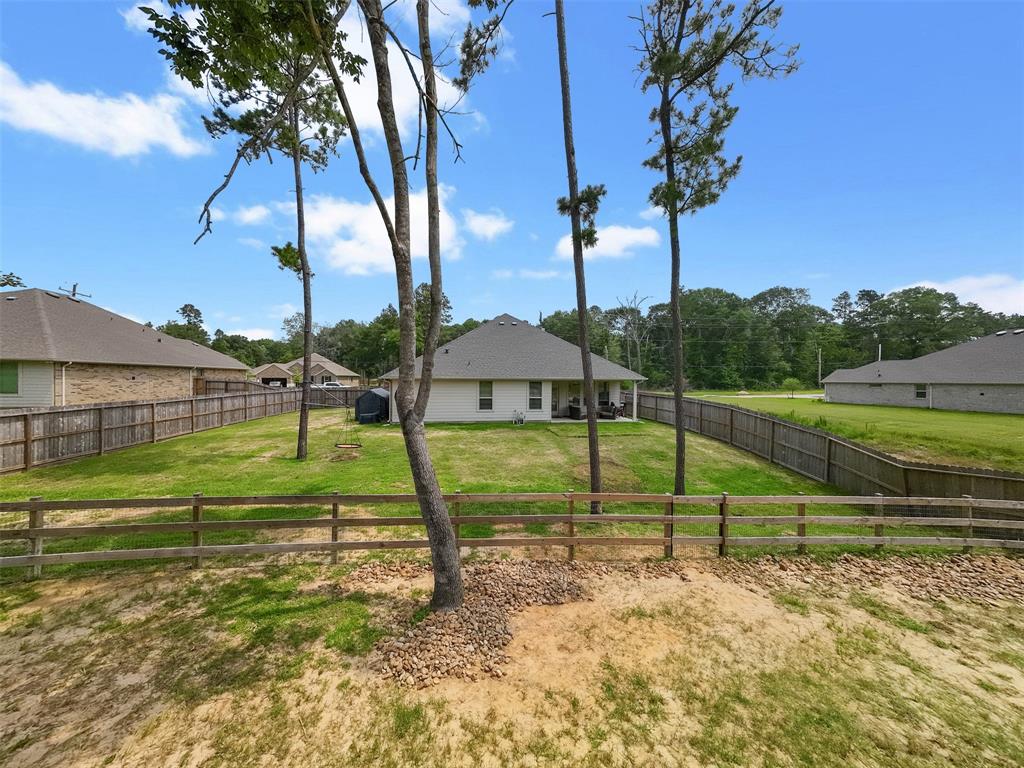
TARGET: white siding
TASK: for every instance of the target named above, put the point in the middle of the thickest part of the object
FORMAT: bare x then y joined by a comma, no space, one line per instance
35,387
458,400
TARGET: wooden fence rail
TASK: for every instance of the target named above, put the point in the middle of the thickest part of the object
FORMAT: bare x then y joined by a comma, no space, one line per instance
826,457
675,515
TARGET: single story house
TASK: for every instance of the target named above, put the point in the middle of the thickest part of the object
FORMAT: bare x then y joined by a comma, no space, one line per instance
59,350
273,375
323,370
985,374
507,368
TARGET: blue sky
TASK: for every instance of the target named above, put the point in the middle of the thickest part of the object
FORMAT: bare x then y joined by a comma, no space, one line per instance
895,156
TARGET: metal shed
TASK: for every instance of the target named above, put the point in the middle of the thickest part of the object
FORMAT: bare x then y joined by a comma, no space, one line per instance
373,406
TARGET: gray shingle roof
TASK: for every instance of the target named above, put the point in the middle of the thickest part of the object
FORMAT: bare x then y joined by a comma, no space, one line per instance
40,325
994,359
325,362
509,348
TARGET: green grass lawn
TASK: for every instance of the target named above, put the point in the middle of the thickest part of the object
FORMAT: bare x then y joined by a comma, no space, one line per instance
258,458
992,440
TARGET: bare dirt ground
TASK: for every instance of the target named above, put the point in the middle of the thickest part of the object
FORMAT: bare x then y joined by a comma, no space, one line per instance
775,661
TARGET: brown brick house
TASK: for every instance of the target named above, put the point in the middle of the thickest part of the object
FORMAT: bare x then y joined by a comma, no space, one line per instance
58,350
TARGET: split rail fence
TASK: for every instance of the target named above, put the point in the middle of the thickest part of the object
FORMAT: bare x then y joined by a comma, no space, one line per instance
733,522
822,456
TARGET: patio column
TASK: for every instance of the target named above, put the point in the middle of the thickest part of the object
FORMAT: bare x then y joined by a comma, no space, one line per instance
636,396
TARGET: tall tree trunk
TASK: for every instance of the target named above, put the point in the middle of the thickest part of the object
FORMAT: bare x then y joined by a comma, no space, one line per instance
665,118
307,298
444,553
577,261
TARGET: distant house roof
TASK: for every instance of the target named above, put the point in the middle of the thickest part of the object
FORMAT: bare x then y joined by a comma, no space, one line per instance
324,362
271,371
994,359
41,325
509,348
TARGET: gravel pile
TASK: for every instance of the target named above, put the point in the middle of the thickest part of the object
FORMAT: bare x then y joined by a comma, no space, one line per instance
976,578
470,642
375,573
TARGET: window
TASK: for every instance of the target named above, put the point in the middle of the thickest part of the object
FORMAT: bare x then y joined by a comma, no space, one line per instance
920,391
8,378
602,393
536,395
486,400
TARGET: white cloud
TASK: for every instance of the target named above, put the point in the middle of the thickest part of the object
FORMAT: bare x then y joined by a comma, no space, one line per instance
486,226
216,214
613,242
529,274
252,333
352,238
446,16
281,311
363,95
253,242
994,292
651,213
251,215
129,315
122,126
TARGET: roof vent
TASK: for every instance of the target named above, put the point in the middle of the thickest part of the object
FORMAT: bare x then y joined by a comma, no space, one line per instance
11,298
55,295
514,323
446,350
1000,333
501,322
1018,331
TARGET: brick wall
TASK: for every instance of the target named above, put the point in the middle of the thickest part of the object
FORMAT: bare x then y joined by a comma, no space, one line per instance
94,383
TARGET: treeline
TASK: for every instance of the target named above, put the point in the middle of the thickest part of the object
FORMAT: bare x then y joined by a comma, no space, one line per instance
731,342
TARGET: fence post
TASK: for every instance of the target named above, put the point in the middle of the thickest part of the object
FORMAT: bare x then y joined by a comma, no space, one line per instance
730,427
723,527
152,422
879,528
457,509
828,459
28,440
334,528
572,525
771,441
192,414
700,417
36,519
245,408
669,532
801,527
968,532
100,417
197,534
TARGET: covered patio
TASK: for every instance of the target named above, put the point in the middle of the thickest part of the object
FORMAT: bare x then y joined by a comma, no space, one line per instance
569,404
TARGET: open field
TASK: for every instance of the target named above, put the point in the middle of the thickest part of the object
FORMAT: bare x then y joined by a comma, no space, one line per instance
258,457
990,440
892,662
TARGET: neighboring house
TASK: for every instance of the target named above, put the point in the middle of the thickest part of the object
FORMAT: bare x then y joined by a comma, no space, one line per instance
986,374
273,375
58,350
506,367
324,370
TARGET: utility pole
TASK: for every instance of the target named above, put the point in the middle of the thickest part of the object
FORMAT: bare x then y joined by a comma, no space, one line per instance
879,352
819,366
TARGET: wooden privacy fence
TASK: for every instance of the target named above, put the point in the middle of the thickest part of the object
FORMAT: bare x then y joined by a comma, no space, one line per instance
823,456
730,517
34,437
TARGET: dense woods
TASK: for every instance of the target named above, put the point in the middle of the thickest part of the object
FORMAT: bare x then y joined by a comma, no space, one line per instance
731,342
